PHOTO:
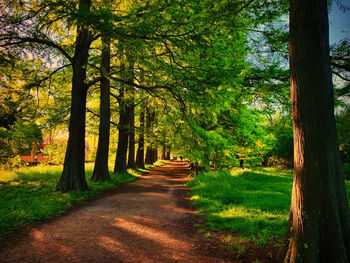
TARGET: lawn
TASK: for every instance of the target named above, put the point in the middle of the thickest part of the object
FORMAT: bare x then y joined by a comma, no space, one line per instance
251,204
28,195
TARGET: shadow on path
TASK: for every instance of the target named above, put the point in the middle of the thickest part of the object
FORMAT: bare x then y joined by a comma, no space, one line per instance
147,220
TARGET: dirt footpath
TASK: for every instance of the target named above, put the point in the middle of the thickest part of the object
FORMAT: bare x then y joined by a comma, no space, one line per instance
147,220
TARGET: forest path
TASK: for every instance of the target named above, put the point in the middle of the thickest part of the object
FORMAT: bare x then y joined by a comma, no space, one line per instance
147,220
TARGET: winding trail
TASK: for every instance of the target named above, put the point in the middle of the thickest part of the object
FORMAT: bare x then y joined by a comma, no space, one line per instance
147,220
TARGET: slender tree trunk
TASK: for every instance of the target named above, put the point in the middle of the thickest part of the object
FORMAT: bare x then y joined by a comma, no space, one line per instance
319,223
155,155
101,172
141,144
73,175
168,155
164,152
123,128
149,150
131,157
124,117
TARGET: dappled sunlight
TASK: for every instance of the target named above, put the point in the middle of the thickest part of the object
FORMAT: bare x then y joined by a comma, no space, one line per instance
37,235
179,209
153,234
111,244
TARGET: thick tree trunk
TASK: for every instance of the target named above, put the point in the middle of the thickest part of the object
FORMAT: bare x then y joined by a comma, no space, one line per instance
319,224
141,144
123,128
73,175
101,172
149,155
168,155
131,157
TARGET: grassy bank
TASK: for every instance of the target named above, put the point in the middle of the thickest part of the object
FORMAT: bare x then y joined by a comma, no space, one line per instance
28,194
250,205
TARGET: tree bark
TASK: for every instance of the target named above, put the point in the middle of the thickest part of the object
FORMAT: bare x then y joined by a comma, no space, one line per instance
149,155
124,116
131,157
141,144
155,155
149,149
168,155
123,128
319,223
164,153
73,175
101,172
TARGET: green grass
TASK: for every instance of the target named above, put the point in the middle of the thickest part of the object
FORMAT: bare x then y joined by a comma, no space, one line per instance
28,195
251,203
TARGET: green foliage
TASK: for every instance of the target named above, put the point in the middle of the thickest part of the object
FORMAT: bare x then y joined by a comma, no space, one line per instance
23,135
5,146
343,130
55,152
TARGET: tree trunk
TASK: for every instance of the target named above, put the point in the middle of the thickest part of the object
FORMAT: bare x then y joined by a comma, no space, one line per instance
164,153
131,157
168,155
73,175
141,144
123,128
155,155
124,118
149,155
101,172
149,149
319,223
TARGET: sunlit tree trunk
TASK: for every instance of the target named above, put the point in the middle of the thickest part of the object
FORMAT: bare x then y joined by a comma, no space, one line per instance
319,223
101,172
73,175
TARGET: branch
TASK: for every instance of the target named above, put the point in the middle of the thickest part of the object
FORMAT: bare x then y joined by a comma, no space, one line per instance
340,76
99,116
48,77
92,82
38,41
130,83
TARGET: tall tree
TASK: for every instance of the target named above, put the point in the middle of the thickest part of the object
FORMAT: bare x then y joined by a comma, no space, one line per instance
125,108
141,142
319,223
101,172
73,176
131,156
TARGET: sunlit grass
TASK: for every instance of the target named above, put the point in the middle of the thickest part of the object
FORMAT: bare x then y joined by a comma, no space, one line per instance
252,204
28,194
